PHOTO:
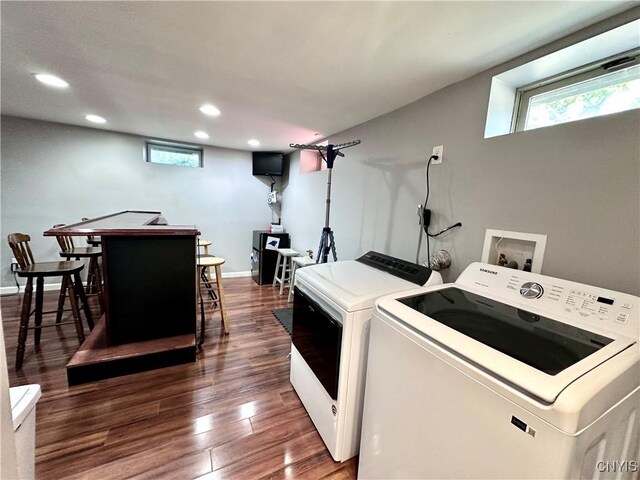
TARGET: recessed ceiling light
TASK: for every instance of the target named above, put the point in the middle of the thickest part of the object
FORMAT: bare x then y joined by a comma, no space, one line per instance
201,134
95,119
51,80
210,110
254,143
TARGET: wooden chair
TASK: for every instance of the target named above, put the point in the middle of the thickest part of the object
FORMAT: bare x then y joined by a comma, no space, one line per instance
216,263
92,240
71,286
94,275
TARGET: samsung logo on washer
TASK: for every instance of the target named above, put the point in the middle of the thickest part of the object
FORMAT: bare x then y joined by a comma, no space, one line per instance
488,271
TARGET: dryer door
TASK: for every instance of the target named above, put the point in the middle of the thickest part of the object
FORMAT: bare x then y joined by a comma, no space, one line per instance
318,337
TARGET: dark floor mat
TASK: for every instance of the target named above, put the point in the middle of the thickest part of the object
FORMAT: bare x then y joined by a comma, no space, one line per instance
285,317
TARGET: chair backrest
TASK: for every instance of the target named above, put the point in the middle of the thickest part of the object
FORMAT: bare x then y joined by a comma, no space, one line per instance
19,243
90,238
65,241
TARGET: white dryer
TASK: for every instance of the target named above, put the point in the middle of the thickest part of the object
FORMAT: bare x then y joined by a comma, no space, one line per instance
503,374
331,315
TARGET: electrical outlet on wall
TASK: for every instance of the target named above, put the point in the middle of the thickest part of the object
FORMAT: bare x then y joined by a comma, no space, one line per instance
14,264
439,151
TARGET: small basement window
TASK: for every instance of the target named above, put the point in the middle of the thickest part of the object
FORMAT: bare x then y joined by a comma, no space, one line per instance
173,154
610,86
597,76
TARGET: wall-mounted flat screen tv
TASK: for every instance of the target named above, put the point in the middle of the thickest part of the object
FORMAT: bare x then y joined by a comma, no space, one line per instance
268,163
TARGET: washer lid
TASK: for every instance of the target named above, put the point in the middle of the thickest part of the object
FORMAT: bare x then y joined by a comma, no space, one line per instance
533,353
23,401
350,284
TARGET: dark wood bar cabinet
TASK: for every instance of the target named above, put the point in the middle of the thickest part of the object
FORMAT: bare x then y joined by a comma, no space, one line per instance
149,319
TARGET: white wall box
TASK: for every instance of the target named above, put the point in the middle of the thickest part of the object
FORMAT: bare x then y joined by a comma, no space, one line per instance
515,246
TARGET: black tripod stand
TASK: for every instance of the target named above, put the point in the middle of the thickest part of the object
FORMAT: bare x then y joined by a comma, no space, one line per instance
327,241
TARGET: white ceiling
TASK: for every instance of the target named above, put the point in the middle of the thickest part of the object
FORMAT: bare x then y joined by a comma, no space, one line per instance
278,71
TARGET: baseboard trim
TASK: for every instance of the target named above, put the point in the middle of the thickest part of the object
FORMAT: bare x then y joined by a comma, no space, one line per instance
12,290
236,274
56,286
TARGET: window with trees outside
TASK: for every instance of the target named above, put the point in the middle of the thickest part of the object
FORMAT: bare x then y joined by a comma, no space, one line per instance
173,154
609,86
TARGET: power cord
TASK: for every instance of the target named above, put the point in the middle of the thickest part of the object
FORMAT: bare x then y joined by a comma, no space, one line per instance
425,225
434,235
424,208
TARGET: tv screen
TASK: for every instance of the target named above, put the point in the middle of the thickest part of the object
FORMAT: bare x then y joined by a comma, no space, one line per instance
268,163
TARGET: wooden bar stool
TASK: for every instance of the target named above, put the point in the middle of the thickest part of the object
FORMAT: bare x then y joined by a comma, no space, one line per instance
296,263
282,274
71,286
204,244
94,275
203,264
204,271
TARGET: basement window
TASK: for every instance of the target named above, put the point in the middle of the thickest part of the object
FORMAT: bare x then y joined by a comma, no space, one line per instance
610,86
596,76
169,153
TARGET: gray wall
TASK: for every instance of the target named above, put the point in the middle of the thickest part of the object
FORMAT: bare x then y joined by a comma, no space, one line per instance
53,173
578,183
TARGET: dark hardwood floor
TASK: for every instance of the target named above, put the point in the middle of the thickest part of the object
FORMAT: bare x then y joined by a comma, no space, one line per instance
232,414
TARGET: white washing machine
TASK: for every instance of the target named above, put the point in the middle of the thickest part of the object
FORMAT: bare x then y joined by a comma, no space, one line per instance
23,409
331,314
503,374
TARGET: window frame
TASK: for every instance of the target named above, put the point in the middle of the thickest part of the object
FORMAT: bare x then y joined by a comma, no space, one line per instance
577,75
174,147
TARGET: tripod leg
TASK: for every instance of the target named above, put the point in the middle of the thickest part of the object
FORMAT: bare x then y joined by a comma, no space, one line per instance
325,247
333,246
320,248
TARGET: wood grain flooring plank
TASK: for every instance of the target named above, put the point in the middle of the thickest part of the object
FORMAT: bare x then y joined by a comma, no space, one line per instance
190,466
243,450
186,421
47,450
153,392
290,396
347,472
278,416
83,421
135,457
269,461
319,465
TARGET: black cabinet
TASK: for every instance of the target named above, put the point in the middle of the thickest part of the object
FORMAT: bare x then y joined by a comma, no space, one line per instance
263,260
151,289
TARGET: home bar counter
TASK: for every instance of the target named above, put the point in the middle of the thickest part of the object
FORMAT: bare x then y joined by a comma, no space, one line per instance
149,320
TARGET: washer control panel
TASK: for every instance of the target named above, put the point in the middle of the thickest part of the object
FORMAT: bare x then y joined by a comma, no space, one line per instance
585,304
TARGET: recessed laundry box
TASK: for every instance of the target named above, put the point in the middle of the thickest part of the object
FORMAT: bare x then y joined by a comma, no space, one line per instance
23,411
